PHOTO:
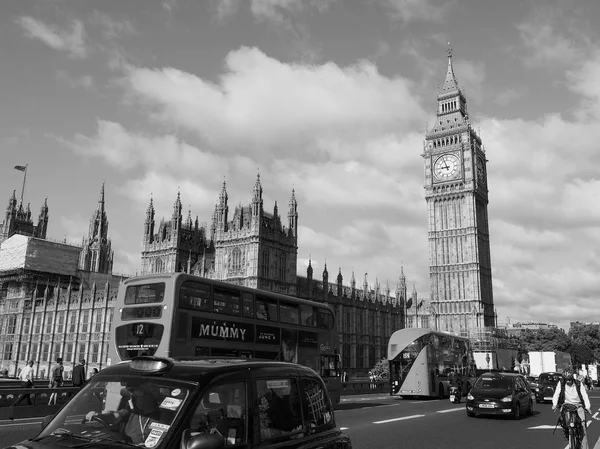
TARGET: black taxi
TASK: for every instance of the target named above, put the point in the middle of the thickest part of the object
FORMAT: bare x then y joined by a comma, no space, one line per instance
199,403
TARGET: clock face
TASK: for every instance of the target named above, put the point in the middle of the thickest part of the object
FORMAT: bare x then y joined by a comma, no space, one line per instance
480,171
446,167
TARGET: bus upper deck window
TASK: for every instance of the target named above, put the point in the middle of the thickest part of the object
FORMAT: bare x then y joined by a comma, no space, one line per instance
248,301
307,315
325,319
143,294
266,309
288,313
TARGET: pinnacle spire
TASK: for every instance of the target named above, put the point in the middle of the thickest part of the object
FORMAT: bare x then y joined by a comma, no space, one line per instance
101,199
450,83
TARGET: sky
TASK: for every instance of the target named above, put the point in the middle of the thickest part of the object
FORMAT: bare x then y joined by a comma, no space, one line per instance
330,98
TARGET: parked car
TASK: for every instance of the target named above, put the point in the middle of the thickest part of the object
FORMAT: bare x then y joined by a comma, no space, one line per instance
505,394
166,403
546,386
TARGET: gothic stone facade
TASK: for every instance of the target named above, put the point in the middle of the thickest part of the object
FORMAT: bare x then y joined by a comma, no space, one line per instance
48,313
457,196
365,317
253,248
56,300
18,220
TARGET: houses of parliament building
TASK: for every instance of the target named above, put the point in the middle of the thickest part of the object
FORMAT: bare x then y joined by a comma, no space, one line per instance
56,299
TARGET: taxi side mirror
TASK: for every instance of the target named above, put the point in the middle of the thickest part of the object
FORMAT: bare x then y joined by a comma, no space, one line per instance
46,421
206,441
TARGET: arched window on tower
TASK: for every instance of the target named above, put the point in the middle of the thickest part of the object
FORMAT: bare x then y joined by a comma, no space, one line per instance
92,266
236,263
265,264
158,266
282,267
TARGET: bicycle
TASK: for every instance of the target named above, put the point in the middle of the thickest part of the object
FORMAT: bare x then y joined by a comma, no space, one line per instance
572,424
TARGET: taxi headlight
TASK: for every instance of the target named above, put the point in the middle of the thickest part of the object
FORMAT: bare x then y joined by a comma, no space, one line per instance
470,397
507,399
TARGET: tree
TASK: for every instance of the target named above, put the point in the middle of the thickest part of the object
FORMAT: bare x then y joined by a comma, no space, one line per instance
580,355
381,370
545,340
587,335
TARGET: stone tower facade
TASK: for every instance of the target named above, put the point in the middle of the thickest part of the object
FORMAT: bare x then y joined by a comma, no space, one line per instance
252,248
176,245
18,220
96,252
456,192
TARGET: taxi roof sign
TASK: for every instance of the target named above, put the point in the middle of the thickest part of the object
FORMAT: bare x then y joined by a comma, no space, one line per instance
150,365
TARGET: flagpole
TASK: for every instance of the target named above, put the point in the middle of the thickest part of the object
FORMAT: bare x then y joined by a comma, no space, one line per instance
24,178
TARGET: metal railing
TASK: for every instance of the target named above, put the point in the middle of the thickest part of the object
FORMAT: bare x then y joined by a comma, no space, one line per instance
14,404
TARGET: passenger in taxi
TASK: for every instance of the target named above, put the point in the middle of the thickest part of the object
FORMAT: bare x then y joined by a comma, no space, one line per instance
221,411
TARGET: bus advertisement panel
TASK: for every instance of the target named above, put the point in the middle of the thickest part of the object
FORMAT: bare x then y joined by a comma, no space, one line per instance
180,315
420,361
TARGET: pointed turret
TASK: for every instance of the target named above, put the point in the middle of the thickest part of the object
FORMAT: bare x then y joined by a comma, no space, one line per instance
309,270
339,280
222,209
402,278
149,223
96,253
42,226
293,214
101,200
177,218
257,202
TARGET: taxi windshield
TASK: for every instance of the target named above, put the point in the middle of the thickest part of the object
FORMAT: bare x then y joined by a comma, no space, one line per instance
138,410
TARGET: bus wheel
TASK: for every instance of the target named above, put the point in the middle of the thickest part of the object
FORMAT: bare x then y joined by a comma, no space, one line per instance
441,393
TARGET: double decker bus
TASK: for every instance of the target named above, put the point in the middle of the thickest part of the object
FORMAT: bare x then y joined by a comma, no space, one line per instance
420,360
181,315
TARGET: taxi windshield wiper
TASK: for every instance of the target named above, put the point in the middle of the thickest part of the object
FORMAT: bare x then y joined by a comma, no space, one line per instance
103,438
60,432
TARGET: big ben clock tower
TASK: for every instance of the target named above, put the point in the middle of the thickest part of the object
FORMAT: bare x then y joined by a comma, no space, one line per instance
457,197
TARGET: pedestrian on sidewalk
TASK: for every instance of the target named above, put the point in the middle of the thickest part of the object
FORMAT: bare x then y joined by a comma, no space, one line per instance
79,374
26,378
56,379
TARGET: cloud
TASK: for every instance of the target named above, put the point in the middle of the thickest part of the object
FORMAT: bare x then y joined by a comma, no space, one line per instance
507,96
275,11
76,82
261,103
226,8
112,28
72,41
170,5
556,36
410,10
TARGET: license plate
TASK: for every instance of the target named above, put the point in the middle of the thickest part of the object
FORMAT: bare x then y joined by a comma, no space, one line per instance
452,397
486,405
547,398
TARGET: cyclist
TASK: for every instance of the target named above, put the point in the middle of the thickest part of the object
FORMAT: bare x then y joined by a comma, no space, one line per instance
569,391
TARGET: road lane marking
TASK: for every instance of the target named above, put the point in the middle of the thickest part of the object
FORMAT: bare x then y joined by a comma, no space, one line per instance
450,410
343,428
21,424
544,426
398,419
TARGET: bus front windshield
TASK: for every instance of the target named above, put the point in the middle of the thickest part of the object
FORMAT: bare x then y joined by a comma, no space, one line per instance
138,339
127,410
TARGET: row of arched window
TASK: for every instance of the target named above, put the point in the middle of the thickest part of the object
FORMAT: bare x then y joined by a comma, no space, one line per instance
452,140
449,106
